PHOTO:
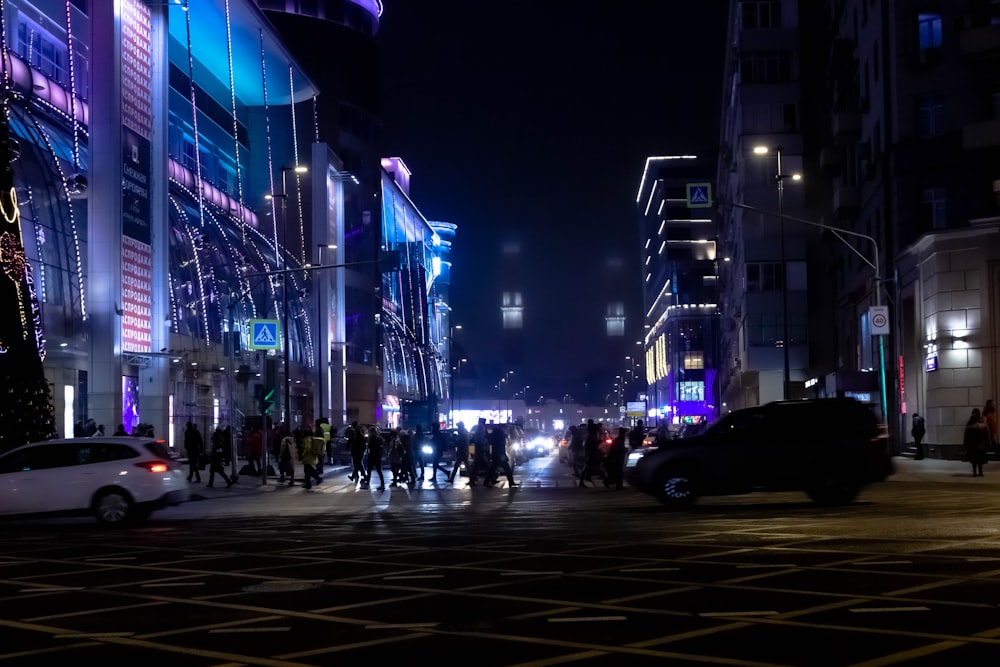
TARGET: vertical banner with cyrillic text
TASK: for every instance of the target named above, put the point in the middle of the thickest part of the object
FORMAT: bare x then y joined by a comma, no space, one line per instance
137,252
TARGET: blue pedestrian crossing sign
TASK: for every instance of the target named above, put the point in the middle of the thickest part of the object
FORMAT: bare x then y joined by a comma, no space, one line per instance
699,195
263,334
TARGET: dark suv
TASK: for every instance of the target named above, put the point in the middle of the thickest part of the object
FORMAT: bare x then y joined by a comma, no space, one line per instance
830,448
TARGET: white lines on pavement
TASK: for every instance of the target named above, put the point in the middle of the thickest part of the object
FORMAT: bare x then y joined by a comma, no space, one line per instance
51,589
413,576
713,614
882,562
174,584
980,559
765,565
651,569
528,574
92,635
388,626
234,631
587,619
109,558
881,610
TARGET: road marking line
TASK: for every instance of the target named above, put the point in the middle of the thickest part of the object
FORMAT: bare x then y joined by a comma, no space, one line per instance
232,631
978,559
170,584
587,619
766,565
710,614
876,610
527,574
388,626
100,558
52,589
92,635
652,569
414,576
882,562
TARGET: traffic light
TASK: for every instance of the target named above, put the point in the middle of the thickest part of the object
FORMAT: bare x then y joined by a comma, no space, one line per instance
264,396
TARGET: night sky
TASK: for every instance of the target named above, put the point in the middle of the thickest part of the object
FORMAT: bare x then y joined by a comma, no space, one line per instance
530,121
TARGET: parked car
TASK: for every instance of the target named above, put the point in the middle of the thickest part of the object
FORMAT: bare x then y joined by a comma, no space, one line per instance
118,479
829,448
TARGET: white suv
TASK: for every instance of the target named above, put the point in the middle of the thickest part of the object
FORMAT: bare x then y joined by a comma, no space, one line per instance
115,478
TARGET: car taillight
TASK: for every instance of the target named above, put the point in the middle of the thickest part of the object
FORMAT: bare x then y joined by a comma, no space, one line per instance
607,441
153,466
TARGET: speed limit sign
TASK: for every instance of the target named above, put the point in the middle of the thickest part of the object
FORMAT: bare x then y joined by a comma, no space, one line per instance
879,318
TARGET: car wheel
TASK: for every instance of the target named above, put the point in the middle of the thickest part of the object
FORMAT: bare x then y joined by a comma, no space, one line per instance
833,492
676,487
113,507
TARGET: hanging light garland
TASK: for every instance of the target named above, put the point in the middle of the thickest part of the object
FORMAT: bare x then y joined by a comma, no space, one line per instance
77,182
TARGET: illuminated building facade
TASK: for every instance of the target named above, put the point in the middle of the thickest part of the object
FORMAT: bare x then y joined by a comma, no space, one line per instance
680,292
414,387
173,179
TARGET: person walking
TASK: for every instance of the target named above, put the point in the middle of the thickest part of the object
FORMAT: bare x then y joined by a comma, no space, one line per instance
499,461
418,451
592,453
217,463
917,430
438,442
194,446
356,443
312,451
286,460
976,439
636,436
614,464
480,451
375,446
255,450
461,452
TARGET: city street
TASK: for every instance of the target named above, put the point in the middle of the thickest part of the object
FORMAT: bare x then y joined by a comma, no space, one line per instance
543,574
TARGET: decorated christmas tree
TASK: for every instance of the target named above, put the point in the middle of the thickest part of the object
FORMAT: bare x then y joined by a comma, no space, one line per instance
26,411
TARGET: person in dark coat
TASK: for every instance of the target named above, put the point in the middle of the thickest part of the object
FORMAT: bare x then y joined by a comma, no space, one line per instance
976,441
461,452
217,463
356,443
917,431
614,464
499,461
375,446
194,447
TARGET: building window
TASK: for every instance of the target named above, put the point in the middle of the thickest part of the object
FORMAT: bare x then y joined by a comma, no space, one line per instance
694,360
933,208
764,330
930,115
765,67
761,14
929,30
764,277
691,391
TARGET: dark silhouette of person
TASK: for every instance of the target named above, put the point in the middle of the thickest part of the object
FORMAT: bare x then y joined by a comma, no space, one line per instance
356,443
480,453
375,446
577,457
499,461
409,456
194,447
592,454
255,450
217,462
976,441
614,464
119,431
461,452
636,436
418,451
438,442
917,431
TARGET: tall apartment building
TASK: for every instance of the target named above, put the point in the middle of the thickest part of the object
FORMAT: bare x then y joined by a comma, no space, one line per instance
913,158
678,250
764,278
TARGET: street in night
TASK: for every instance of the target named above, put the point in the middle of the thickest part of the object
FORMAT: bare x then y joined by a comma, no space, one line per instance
538,575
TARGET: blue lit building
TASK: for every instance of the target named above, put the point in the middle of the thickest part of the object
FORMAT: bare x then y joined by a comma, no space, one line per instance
680,292
175,182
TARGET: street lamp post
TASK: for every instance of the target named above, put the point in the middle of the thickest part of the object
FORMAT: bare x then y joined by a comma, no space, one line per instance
779,180
322,348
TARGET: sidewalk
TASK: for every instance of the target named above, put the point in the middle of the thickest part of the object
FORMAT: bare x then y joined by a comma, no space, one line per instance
941,470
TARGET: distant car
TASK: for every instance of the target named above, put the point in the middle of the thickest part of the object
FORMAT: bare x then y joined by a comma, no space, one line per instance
118,479
829,448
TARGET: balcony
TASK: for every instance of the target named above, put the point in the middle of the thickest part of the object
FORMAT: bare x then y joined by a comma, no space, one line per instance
846,124
981,135
980,41
846,200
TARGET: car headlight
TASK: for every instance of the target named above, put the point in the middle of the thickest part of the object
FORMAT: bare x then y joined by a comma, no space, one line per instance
427,449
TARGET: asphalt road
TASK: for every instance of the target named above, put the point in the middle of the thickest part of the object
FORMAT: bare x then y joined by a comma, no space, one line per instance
544,574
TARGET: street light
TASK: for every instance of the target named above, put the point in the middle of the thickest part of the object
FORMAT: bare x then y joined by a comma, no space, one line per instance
298,169
779,180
